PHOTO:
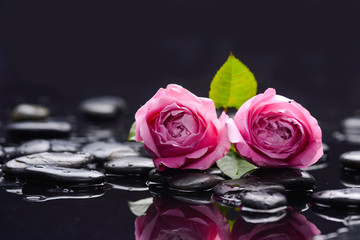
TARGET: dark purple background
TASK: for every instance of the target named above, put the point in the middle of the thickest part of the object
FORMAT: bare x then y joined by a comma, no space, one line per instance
308,50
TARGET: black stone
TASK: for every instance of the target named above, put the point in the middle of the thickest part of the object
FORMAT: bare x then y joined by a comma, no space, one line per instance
2,153
33,146
103,150
292,179
63,175
127,183
262,201
102,107
351,159
215,171
122,154
138,147
350,178
193,198
65,159
29,112
194,181
129,165
339,198
12,185
58,145
158,176
238,185
42,129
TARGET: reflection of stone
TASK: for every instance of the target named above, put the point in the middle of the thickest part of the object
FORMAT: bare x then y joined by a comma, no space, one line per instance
292,179
172,219
292,226
350,178
42,193
338,198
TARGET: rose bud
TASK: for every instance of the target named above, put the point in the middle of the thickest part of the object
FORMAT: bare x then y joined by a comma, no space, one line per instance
276,132
181,130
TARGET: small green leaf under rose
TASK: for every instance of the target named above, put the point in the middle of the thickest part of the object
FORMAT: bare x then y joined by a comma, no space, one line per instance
233,165
233,84
139,207
131,136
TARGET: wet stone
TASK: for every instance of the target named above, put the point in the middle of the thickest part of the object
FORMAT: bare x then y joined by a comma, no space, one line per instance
339,198
262,201
32,129
351,159
2,153
129,165
292,179
33,146
30,112
157,176
238,185
127,183
193,198
351,125
63,175
103,150
122,154
103,107
215,171
138,147
350,178
61,159
194,181
58,145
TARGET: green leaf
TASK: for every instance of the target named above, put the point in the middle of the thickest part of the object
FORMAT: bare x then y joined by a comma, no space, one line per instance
233,165
139,207
131,136
233,84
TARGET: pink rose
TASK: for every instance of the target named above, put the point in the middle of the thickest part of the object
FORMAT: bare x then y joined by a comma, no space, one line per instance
293,226
276,132
181,130
172,219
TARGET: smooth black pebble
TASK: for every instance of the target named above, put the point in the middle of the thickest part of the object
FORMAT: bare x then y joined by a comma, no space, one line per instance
58,145
33,146
63,175
129,165
103,150
35,129
60,159
194,181
238,185
262,201
292,179
127,183
351,159
103,107
27,111
339,198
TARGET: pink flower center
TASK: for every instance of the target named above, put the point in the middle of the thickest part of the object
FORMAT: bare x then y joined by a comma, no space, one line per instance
175,126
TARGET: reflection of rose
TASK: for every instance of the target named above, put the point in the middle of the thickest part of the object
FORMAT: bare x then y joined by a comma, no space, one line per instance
277,132
171,219
294,226
181,129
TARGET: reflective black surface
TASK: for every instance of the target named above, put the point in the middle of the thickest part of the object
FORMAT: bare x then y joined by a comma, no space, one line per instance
58,54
